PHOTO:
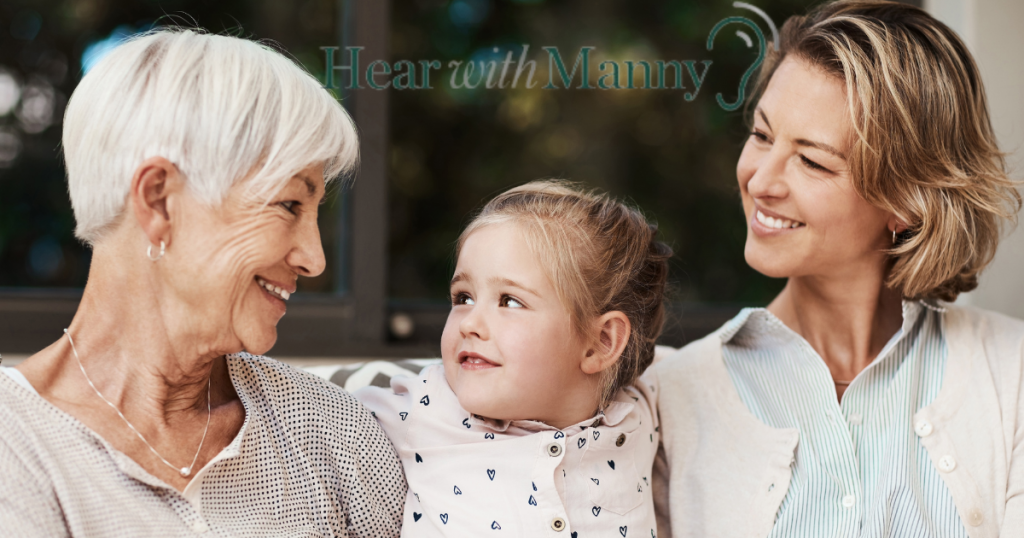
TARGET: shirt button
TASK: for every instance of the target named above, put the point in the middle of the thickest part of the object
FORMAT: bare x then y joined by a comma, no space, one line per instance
849,501
923,428
856,419
558,524
620,440
947,463
199,526
975,518
554,450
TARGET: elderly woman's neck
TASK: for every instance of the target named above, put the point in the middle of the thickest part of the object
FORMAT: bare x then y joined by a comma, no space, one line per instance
136,344
847,320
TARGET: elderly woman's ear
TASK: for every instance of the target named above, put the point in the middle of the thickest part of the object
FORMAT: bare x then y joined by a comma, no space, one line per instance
156,184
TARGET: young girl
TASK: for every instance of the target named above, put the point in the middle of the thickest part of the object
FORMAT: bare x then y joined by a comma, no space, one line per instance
538,422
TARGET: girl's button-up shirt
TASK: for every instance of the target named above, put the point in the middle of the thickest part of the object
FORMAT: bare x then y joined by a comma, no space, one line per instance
469,476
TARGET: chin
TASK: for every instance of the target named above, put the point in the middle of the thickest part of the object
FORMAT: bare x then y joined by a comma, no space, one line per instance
766,262
482,404
260,344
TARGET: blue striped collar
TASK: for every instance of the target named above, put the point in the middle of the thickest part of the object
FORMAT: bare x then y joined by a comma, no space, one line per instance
760,325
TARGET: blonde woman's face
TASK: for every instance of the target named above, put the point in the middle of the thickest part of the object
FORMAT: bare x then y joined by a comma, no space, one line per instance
508,348
804,217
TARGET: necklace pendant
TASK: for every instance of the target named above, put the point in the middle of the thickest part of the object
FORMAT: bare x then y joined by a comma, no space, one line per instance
185,471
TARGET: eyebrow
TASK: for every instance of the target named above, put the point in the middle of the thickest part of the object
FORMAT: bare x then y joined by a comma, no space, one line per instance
764,117
820,145
807,143
311,187
459,277
513,284
502,281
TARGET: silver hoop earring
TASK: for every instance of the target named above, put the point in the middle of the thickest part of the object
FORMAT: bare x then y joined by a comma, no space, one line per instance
149,252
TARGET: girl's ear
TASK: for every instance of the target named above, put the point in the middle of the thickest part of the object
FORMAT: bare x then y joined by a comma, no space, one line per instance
612,334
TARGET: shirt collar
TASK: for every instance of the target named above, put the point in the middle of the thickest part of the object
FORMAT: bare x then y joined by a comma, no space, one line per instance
612,415
761,326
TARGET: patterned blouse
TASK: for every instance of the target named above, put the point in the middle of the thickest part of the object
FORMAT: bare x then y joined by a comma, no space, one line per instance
309,461
471,476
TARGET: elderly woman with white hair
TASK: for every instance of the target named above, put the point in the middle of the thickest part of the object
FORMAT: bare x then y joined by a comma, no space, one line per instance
196,164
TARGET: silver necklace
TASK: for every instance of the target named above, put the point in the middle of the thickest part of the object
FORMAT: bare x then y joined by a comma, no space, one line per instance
184,471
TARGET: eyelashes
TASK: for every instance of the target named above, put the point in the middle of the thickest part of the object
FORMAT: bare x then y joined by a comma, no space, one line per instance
761,137
813,165
462,299
509,301
506,301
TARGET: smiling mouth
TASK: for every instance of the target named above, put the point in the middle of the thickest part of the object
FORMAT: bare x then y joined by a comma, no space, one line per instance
273,290
475,361
776,223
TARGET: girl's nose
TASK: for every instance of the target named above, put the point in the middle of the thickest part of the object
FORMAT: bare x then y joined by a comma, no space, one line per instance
474,324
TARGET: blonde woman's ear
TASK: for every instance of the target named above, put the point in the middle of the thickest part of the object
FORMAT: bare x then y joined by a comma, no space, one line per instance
895,224
611,332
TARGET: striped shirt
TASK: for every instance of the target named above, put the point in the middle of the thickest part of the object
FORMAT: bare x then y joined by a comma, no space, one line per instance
859,469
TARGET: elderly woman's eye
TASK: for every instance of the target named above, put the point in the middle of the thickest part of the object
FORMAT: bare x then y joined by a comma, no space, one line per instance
290,206
510,302
462,298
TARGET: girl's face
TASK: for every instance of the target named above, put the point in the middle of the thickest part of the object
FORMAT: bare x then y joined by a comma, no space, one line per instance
509,348
804,216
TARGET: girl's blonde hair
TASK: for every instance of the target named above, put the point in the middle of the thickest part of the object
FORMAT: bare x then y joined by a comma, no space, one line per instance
925,149
601,255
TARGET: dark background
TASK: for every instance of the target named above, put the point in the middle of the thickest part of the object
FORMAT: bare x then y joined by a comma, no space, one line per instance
447,151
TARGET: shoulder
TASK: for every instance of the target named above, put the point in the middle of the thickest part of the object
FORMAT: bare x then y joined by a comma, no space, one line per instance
693,359
991,345
984,327
997,338
292,394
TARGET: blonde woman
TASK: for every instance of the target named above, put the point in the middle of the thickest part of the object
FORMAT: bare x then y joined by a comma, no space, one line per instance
859,402
196,164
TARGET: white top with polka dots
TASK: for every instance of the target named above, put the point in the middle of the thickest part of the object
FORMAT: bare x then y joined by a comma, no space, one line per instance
309,461
471,476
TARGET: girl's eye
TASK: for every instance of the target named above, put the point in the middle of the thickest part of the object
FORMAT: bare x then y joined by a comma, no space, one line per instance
510,302
462,298
290,206
813,165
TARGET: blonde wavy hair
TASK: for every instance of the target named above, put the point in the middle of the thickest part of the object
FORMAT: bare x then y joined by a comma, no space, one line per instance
601,255
925,149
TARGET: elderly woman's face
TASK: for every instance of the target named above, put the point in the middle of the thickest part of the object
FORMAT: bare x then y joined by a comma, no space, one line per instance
236,265
803,215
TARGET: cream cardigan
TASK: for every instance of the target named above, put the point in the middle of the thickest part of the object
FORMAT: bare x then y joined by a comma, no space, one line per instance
723,473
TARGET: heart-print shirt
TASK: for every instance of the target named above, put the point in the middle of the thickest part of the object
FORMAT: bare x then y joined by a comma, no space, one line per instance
473,476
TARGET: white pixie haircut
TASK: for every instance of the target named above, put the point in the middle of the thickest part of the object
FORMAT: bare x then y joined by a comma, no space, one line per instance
222,109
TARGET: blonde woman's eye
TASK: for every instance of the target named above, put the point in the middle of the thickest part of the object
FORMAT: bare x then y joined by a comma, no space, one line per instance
813,165
759,135
510,302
